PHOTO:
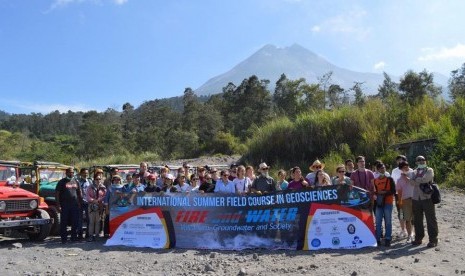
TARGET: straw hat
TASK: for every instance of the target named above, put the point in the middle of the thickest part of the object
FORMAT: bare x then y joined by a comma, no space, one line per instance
317,163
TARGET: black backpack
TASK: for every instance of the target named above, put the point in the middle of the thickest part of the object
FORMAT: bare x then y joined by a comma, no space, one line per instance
436,195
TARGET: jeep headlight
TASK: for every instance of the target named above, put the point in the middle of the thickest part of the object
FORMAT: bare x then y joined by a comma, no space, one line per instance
33,204
2,205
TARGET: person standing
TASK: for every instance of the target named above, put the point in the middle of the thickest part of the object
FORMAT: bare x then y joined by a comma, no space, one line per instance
224,185
404,188
385,189
282,184
84,183
423,205
263,183
241,182
349,164
95,195
298,182
396,175
316,166
69,197
363,177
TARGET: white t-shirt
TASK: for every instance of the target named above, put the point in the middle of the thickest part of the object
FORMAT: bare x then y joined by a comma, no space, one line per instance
242,185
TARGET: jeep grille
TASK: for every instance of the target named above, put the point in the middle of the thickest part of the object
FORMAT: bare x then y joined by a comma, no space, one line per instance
17,205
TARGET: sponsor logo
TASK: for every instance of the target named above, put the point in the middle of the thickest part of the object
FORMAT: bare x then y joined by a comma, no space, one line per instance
124,225
128,232
144,218
316,243
356,241
348,219
326,213
315,221
335,230
153,226
336,241
351,229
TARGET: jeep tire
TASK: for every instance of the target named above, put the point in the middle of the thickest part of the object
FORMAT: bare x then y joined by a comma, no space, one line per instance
44,229
55,215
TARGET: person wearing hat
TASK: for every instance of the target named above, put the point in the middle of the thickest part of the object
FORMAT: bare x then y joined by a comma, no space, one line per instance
208,186
264,183
168,184
68,196
317,165
396,175
423,205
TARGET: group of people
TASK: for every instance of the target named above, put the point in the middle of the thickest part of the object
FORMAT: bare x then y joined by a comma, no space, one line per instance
76,196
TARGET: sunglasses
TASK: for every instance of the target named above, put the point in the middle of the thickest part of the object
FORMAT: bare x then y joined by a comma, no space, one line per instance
341,171
225,175
195,179
317,167
265,169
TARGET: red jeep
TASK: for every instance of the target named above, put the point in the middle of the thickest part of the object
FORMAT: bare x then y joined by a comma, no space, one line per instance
21,210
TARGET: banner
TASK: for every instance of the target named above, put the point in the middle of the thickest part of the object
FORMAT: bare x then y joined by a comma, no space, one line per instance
328,217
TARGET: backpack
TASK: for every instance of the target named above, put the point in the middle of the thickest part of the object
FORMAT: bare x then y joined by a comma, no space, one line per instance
436,195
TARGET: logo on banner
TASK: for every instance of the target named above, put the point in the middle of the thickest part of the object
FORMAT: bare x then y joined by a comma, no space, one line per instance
348,219
336,241
124,225
316,242
335,230
357,240
351,229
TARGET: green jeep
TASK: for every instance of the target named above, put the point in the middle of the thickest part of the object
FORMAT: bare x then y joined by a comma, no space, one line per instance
41,178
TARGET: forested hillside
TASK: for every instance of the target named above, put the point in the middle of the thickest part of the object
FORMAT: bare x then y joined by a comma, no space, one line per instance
292,125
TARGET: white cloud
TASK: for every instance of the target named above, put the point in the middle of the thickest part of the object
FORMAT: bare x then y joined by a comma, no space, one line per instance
432,54
380,65
316,29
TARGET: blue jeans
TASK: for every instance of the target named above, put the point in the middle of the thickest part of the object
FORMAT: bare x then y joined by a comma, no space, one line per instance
386,213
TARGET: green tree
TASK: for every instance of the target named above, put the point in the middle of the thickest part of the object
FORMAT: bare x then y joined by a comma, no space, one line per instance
335,96
457,83
388,89
190,114
359,96
415,86
288,96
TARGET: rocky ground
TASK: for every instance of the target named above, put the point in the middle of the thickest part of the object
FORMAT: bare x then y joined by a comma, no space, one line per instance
21,257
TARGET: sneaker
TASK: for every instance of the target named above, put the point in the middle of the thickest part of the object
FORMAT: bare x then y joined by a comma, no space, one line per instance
387,243
416,242
409,239
432,244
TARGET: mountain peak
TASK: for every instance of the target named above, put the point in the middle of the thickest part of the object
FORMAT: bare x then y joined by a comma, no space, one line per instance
296,61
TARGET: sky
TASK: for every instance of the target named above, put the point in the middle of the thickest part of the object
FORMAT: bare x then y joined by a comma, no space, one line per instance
83,55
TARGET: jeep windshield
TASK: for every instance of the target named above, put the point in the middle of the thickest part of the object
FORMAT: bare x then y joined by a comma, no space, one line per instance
7,173
51,175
